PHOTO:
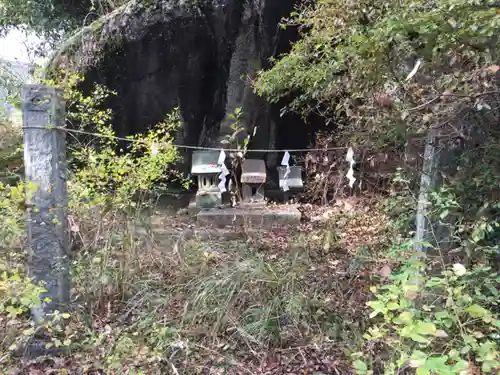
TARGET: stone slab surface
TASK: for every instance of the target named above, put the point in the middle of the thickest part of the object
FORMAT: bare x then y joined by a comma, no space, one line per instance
193,210
254,218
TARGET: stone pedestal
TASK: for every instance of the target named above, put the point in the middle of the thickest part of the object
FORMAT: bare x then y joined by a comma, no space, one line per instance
255,219
208,199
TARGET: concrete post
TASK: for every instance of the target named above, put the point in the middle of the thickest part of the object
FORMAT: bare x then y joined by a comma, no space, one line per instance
441,156
428,184
45,167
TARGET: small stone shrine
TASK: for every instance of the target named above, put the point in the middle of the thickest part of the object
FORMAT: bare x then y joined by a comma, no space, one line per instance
253,178
252,213
205,166
290,182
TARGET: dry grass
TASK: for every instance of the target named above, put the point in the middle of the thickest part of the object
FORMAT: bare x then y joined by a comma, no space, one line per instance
159,295
213,291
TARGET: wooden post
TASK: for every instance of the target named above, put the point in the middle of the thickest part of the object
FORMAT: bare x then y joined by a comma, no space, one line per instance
45,167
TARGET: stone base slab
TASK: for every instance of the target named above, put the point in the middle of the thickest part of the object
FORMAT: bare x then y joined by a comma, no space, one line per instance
252,218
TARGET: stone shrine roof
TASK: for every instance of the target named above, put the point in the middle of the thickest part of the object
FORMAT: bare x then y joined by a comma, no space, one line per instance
205,162
253,171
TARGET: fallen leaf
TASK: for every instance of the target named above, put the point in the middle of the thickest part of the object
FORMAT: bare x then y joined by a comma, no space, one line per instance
441,333
493,68
473,369
459,269
385,271
411,294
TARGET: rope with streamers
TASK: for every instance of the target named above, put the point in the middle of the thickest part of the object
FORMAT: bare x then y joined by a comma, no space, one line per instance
222,157
203,148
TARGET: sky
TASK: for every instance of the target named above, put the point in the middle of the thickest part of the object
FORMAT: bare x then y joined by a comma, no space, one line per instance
13,46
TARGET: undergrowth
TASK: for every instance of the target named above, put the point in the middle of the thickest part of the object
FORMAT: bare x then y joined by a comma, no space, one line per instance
352,287
154,300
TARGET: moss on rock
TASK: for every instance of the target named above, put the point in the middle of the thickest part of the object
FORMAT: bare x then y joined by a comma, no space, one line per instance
126,24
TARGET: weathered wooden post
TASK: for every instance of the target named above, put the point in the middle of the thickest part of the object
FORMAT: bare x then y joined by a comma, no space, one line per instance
45,167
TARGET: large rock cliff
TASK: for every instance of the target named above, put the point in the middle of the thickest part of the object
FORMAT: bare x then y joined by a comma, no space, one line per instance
198,54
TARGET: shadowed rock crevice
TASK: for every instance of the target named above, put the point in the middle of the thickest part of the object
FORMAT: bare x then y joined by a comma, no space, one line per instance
200,56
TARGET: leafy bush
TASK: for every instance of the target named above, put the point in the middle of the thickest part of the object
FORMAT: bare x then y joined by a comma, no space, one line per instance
435,315
386,73
108,188
436,323
353,61
12,226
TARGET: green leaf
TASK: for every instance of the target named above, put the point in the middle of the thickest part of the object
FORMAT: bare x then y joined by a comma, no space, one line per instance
422,371
11,310
434,282
424,328
404,318
376,305
418,359
28,332
419,338
460,366
441,314
444,214
360,367
448,323
477,311
393,306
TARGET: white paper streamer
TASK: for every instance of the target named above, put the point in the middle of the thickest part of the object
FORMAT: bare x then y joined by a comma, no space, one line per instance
224,173
222,158
286,163
350,159
415,70
222,177
286,159
154,149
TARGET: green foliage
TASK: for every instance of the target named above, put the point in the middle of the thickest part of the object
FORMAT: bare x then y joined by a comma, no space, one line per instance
234,140
436,323
354,58
10,85
385,72
18,295
51,18
11,152
109,183
441,319
12,200
10,125
106,172
117,180
258,299
400,206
